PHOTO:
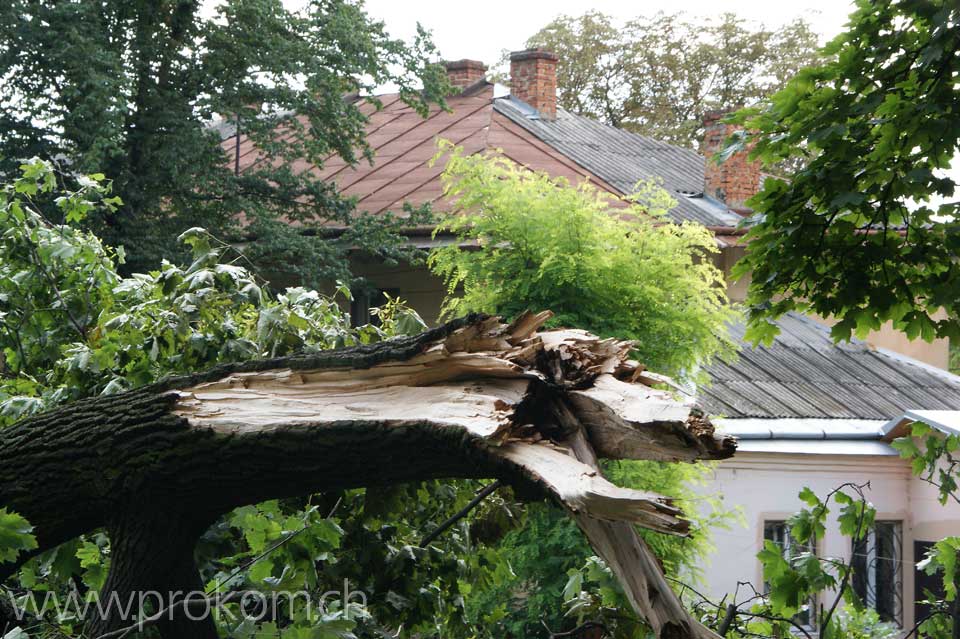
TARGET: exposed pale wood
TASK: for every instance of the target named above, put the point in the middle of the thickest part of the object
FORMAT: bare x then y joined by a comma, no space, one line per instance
583,489
633,421
483,408
635,565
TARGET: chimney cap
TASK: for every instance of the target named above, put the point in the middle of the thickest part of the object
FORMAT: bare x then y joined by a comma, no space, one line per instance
533,54
458,65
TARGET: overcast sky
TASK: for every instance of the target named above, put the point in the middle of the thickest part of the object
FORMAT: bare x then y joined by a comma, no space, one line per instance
481,29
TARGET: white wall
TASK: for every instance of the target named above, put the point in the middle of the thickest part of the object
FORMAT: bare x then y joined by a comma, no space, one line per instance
765,487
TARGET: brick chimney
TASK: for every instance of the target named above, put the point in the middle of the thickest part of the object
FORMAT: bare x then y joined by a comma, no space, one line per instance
463,73
533,79
735,180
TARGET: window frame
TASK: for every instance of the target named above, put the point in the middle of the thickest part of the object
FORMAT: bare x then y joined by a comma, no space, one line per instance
865,553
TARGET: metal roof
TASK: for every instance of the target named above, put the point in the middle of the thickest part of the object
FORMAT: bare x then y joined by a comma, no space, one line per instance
805,374
818,447
622,159
801,428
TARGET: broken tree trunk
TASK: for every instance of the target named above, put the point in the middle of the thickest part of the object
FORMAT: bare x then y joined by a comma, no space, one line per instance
474,398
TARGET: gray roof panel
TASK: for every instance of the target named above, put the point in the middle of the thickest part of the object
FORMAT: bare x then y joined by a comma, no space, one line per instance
622,159
804,374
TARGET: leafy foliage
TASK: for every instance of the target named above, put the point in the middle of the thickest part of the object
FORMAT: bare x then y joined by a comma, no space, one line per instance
605,265
555,578
73,327
16,535
856,233
659,75
131,88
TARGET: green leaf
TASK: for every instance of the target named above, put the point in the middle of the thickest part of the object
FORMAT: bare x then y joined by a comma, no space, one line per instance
16,536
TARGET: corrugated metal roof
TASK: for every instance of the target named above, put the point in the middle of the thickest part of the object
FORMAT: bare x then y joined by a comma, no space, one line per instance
623,159
804,374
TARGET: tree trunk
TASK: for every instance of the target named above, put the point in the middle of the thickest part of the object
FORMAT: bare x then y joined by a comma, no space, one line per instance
471,399
151,562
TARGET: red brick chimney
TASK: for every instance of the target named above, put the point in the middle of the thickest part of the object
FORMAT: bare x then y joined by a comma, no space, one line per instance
736,179
463,73
533,79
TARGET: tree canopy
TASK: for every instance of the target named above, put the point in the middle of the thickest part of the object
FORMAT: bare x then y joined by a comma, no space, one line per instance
613,267
130,89
866,231
659,75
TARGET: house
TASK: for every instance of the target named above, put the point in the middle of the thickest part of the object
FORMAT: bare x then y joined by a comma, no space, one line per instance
525,122
809,412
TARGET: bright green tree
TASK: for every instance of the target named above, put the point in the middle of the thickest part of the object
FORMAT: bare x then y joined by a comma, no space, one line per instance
615,268
866,231
130,88
612,267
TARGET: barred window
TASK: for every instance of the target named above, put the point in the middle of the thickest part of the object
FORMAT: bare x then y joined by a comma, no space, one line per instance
877,573
779,533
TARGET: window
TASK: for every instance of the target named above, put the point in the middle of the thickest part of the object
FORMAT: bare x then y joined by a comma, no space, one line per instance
779,533
877,575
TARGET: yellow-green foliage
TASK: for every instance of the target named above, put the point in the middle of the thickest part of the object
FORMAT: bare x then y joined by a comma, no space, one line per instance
620,271
617,269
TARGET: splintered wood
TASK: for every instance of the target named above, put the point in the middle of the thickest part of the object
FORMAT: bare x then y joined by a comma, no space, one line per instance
546,403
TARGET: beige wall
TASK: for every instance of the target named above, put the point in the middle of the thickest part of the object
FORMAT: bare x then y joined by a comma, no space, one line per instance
935,353
764,486
728,256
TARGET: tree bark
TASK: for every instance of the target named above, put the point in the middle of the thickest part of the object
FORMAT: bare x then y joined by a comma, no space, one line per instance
471,399
151,562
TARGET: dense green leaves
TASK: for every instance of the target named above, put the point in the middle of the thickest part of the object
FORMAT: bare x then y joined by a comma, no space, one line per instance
131,88
866,231
603,265
607,266
71,327
659,75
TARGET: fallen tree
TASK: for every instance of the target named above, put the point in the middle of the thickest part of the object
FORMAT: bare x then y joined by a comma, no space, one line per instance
474,398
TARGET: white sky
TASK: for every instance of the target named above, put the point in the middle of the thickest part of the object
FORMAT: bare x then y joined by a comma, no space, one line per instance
482,29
